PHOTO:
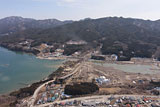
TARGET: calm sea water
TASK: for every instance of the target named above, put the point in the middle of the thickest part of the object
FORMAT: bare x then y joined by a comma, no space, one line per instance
18,69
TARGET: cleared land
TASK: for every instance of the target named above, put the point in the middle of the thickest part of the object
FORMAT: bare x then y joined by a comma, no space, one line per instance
118,81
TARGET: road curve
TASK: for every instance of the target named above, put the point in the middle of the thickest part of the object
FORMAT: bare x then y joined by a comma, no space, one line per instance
33,98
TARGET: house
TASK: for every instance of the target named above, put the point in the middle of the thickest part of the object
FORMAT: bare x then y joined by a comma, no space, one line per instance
24,43
102,79
114,57
53,99
59,50
65,95
62,104
56,54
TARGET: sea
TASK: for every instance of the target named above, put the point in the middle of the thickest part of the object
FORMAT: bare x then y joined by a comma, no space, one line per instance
19,69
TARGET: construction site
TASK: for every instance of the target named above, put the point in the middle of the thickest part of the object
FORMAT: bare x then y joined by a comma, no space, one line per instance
87,77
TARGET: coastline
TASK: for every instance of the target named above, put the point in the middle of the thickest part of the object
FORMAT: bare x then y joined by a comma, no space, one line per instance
27,91
27,67
51,58
21,93
37,81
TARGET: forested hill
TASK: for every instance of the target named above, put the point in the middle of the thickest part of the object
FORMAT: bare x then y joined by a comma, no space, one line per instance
14,24
126,37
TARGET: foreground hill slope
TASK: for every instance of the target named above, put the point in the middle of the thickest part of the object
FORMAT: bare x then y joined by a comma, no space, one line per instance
125,37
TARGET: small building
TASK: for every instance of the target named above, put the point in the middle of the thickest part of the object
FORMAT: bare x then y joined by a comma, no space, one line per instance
39,102
114,57
157,88
64,96
56,54
59,50
49,99
56,95
53,99
102,79
62,104
72,42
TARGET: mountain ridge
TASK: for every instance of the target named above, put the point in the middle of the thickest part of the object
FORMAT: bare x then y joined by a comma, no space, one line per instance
14,24
126,37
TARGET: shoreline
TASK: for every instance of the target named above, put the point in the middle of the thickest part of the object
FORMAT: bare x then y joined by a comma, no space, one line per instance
34,82
36,56
29,90
51,58
14,49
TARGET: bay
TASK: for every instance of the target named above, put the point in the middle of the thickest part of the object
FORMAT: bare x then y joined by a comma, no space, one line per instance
19,69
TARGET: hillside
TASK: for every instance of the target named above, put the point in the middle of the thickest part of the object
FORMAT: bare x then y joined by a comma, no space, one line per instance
14,24
125,37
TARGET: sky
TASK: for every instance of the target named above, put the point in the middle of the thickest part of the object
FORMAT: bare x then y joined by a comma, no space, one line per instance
80,9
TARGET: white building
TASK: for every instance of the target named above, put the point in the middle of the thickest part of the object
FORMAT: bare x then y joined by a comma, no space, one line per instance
114,57
80,42
102,79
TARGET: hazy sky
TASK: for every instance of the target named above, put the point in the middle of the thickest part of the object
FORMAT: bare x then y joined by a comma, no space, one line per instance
79,9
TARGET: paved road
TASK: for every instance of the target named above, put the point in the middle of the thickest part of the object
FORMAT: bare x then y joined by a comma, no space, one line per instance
96,97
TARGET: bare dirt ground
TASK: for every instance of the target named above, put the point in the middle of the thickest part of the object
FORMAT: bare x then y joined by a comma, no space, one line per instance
120,82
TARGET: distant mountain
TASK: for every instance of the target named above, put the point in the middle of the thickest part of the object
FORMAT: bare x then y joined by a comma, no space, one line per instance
13,24
125,37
